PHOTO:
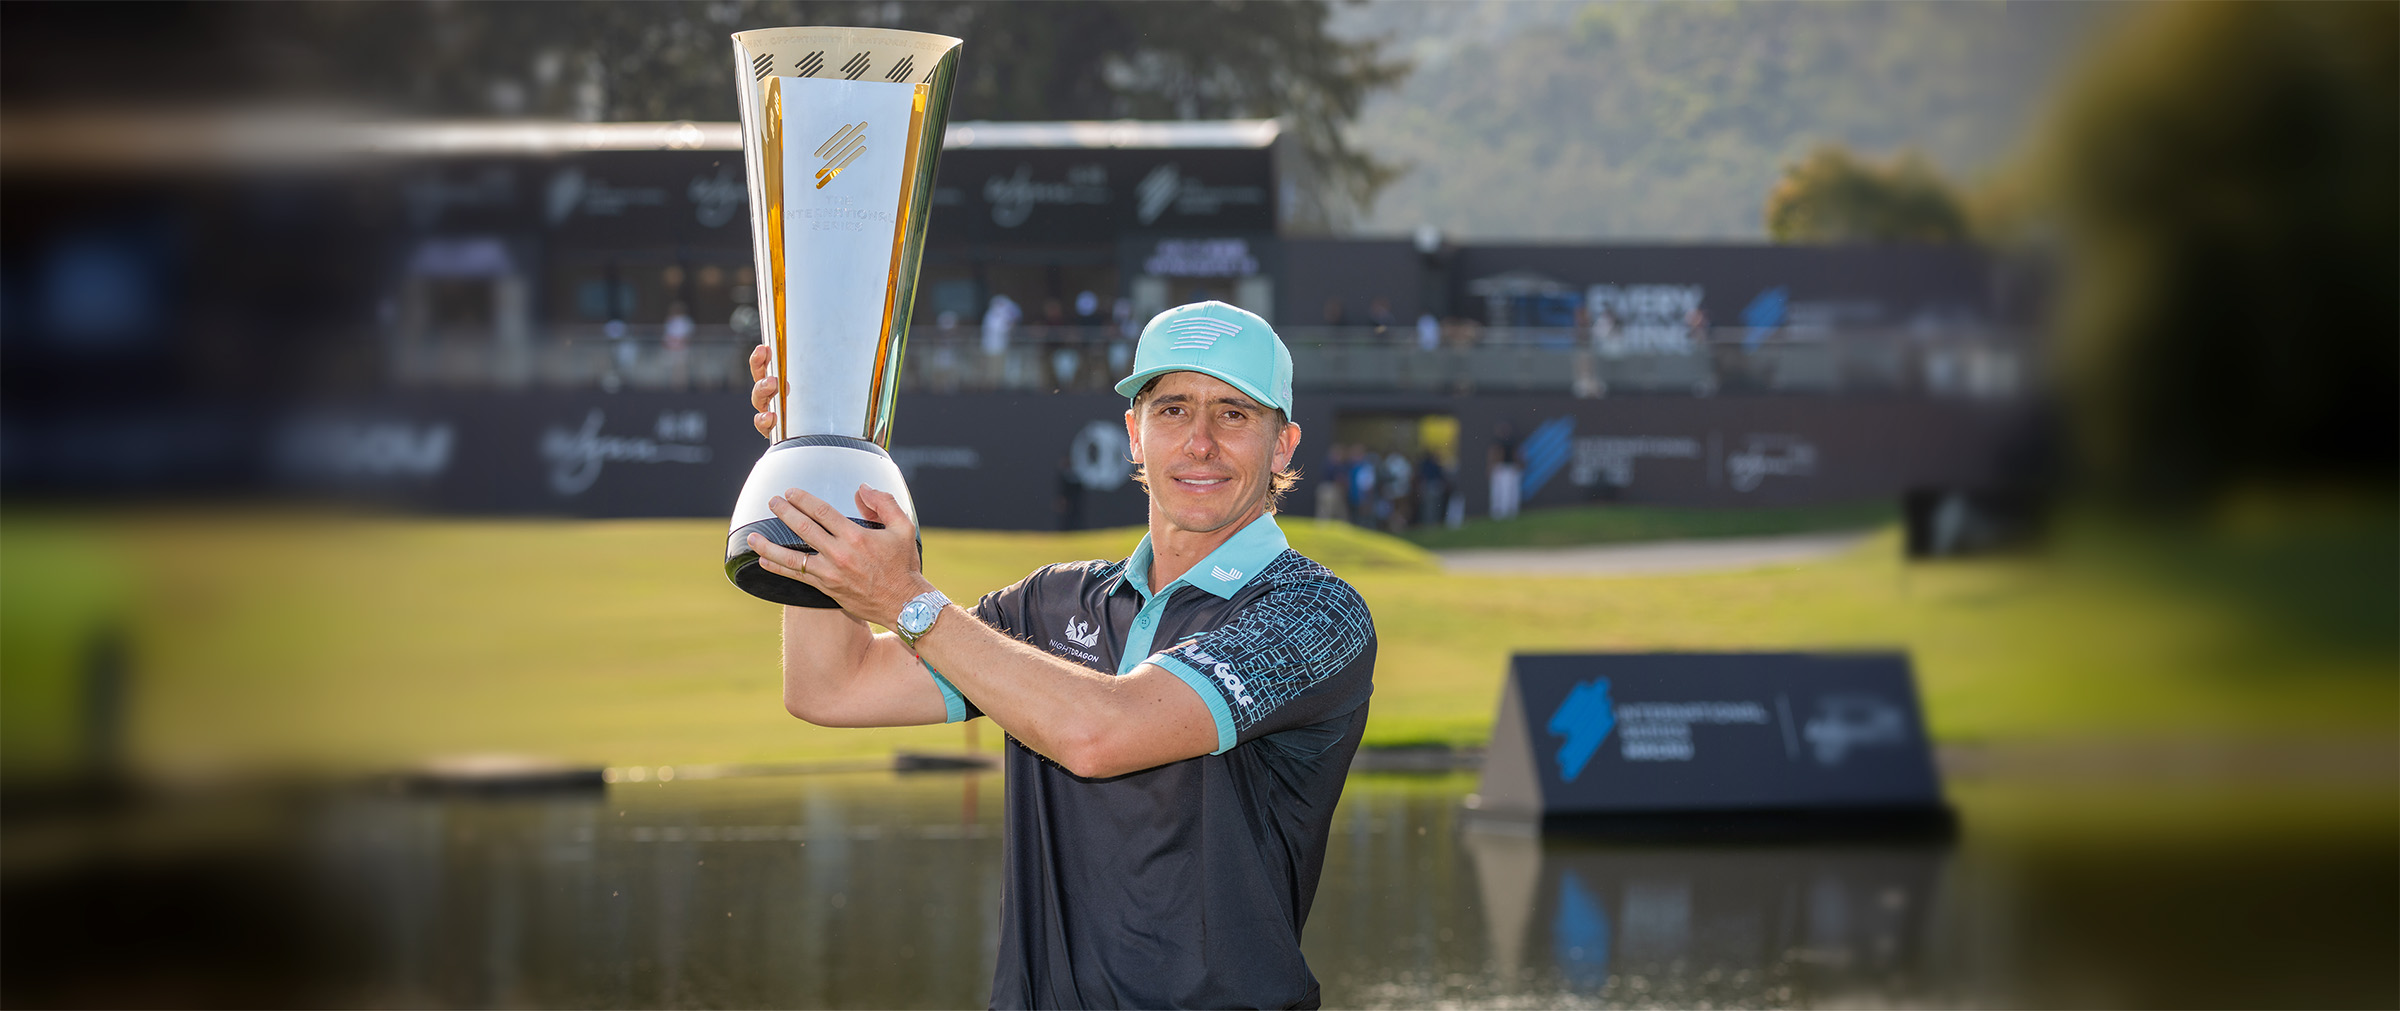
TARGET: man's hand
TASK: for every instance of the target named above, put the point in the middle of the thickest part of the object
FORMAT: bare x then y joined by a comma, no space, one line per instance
872,573
763,388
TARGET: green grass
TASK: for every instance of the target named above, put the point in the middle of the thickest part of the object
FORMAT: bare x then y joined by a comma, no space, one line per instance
348,644
1608,524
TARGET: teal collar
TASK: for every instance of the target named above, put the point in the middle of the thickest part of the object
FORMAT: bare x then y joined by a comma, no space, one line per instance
1226,570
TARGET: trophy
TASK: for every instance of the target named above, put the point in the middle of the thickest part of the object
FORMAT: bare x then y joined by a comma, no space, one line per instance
841,130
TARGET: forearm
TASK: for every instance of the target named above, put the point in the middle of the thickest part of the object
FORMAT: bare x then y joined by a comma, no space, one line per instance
1092,723
838,673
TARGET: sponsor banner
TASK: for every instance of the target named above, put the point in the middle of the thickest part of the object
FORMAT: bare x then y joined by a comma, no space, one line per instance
1098,194
1715,452
988,461
1663,732
982,461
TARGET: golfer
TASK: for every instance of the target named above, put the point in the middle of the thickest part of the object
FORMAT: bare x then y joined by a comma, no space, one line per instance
1179,722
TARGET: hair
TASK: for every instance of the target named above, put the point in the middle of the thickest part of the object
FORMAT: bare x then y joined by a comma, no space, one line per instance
1278,482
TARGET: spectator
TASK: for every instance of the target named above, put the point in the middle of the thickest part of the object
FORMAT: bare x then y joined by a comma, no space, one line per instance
1429,332
1604,333
999,322
1395,483
1058,345
1362,486
1508,471
1121,337
1333,486
1433,489
678,339
1379,316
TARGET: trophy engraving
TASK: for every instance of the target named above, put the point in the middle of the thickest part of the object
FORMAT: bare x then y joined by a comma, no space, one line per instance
837,235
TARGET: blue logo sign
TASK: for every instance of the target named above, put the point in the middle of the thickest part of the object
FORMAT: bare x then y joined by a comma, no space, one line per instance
1765,313
1545,451
1584,719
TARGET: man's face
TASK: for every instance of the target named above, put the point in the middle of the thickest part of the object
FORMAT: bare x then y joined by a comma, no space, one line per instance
1209,451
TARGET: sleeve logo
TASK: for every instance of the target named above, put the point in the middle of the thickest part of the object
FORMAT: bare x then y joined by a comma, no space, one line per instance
1083,633
1224,674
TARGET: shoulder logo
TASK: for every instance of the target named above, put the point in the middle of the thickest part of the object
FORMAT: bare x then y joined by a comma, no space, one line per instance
1221,572
1199,333
840,150
1233,685
1083,633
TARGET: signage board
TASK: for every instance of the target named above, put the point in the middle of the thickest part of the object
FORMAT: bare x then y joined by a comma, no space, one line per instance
1651,734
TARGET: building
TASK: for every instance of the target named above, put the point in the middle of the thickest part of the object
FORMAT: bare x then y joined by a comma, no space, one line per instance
552,317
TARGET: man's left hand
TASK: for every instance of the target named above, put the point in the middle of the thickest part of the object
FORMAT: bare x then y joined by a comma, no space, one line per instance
871,572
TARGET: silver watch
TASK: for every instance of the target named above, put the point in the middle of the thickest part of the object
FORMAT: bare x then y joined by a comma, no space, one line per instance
916,616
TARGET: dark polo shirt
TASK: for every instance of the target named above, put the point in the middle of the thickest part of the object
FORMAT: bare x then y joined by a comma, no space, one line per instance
1185,885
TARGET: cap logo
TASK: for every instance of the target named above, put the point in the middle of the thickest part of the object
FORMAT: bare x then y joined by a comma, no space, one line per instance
1199,333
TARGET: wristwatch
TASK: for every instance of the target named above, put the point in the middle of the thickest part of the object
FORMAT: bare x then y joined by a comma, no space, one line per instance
916,616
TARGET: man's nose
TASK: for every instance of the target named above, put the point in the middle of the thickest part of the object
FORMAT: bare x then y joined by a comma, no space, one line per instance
1203,441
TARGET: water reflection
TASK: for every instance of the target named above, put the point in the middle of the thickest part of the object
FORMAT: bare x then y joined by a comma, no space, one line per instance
859,891
1436,910
882,890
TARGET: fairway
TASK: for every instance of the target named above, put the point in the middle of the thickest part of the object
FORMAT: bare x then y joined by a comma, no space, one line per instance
353,644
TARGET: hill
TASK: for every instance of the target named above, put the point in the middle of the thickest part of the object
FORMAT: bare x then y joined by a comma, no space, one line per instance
1672,121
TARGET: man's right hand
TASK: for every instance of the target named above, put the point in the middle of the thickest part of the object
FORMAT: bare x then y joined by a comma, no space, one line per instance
763,388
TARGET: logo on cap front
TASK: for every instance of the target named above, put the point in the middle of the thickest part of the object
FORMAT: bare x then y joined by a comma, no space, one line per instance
840,150
1199,333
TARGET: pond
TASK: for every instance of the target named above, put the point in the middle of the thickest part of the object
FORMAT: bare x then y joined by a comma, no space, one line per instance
883,890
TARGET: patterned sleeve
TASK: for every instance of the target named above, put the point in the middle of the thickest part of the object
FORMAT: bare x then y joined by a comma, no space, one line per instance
1302,654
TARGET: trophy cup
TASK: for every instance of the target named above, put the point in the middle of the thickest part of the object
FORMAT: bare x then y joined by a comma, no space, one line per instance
841,130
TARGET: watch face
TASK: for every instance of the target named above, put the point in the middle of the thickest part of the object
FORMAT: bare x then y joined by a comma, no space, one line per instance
917,616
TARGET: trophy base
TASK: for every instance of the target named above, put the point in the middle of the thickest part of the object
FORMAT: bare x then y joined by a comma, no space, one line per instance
830,467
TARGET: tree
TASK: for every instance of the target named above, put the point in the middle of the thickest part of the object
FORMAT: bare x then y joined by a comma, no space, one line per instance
1835,196
2226,178
624,60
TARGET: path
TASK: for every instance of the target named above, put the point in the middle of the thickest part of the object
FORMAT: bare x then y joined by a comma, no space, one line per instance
1654,557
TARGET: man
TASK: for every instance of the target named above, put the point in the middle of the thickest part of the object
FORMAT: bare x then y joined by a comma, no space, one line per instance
1179,722
1508,471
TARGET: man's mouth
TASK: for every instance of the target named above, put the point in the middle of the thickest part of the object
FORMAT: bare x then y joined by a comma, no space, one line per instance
1201,482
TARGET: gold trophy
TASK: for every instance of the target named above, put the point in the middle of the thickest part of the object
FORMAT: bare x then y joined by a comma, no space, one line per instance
841,132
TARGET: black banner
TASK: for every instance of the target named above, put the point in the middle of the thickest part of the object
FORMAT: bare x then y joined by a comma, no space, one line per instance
1025,462
988,461
1705,732
1099,194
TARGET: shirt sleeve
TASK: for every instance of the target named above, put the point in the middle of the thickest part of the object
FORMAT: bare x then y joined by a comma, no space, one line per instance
1302,654
1003,609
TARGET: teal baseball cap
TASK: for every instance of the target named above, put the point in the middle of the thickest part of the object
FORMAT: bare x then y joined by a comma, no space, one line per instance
1215,339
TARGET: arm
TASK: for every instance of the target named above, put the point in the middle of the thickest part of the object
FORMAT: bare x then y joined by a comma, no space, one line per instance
1092,724
836,671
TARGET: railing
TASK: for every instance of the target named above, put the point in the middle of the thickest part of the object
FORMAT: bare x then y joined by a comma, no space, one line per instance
1038,359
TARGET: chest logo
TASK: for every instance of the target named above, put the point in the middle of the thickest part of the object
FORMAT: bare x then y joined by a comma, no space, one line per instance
1083,633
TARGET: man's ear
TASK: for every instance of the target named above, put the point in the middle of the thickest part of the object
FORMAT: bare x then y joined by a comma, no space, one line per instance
1133,437
1287,442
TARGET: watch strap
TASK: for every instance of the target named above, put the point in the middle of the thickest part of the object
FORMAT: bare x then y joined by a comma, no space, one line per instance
935,600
